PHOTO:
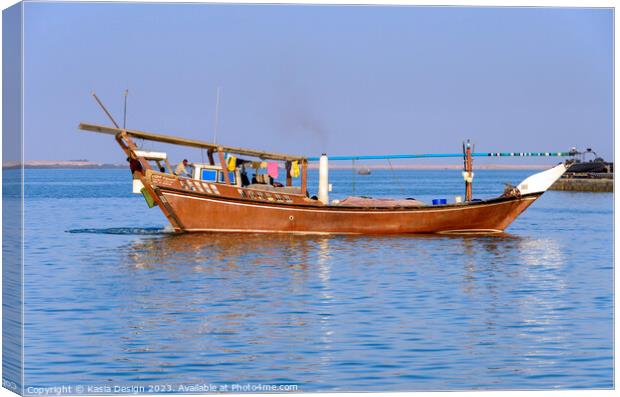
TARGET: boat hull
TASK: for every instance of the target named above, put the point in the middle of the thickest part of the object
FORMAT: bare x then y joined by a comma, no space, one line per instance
203,213
210,204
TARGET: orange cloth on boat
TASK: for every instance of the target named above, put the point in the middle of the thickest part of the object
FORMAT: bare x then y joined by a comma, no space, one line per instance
295,169
263,164
272,169
232,163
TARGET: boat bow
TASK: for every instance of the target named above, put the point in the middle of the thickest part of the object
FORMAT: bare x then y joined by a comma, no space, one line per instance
540,182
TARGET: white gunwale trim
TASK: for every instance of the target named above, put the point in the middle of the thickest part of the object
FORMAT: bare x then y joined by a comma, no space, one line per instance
470,231
266,231
306,232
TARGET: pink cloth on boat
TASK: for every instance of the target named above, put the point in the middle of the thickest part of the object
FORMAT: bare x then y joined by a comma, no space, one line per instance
272,170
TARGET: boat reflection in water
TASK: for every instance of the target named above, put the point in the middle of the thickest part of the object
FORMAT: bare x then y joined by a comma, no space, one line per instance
348,312
525,311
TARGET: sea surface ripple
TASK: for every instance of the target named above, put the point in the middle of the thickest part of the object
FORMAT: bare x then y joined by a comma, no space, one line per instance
113,297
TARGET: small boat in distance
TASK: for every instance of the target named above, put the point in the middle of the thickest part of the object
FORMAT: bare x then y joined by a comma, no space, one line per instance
218,196
364,171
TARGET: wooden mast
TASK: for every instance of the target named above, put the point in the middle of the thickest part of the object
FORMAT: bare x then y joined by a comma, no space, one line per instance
467,174
304,176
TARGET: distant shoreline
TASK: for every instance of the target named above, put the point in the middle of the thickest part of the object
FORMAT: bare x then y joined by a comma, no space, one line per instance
49,164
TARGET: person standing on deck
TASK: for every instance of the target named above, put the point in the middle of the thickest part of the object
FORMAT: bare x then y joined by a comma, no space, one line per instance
181,169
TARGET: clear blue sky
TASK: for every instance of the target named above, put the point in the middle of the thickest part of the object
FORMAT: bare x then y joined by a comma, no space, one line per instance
308,79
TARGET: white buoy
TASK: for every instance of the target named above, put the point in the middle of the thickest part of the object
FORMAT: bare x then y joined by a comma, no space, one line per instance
323,179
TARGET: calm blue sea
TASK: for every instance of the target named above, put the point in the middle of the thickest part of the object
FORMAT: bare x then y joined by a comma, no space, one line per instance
113,298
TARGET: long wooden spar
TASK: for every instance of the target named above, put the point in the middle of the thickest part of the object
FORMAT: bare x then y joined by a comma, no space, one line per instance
211,147
190,142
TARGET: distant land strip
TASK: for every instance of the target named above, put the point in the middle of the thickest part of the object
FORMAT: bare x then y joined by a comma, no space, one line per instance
83,164
51,164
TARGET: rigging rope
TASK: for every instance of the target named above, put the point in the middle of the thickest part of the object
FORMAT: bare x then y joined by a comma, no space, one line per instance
353,179
436,155
402,191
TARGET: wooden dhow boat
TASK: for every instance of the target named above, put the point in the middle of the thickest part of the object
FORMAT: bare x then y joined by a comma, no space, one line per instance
216,197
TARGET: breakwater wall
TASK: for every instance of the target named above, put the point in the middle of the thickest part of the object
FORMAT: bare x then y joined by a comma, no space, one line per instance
584,184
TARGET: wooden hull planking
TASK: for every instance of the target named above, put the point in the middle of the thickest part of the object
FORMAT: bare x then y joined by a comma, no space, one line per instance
200,214
229,210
